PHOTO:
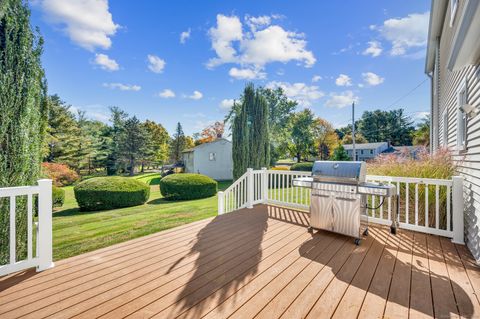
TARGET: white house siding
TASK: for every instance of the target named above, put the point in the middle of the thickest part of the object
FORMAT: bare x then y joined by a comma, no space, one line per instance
469,161
222,167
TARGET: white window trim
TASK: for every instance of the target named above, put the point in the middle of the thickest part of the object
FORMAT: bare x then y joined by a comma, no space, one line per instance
462,116
453,11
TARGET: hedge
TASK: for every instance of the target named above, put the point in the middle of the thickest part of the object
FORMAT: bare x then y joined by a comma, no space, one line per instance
100,193
58,196
304,167
187,186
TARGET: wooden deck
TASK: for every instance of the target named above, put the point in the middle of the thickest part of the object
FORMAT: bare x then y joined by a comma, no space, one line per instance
258,263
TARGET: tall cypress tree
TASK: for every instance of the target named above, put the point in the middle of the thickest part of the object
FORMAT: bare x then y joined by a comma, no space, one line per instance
250,134
23,114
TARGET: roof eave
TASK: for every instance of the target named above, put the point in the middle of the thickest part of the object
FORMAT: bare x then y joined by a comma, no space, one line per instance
437,18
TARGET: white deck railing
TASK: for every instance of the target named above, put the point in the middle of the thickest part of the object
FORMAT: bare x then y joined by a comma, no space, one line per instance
432,206
41,257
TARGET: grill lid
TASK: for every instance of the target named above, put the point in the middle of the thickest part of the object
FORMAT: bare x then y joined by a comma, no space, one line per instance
339,172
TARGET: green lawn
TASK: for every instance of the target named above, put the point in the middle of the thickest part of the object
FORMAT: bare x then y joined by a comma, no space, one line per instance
76,232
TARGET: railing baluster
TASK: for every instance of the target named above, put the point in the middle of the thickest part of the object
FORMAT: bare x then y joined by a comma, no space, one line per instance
437,208
13,230
29,225
416,204
449,194
426,205
407,204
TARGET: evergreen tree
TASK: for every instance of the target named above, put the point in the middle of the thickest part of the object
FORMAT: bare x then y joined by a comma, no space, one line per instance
113,162
250,133
178,144
132,142
62,133
339,154
23,115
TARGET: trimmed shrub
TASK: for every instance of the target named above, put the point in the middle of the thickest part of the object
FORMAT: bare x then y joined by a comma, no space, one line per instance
58,196
280,168
61,174
187,186
100,193
303,167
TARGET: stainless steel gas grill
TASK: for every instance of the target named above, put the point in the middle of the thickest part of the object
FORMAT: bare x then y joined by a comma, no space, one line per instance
339,197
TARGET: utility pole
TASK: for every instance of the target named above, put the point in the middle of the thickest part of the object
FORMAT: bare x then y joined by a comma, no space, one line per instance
354,153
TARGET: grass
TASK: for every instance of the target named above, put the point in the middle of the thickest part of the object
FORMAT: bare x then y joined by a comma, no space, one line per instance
76,232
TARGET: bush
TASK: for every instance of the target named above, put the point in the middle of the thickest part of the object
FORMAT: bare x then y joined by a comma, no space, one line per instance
303,167
61,174
58,196
280,168
422,164
100,193
187,186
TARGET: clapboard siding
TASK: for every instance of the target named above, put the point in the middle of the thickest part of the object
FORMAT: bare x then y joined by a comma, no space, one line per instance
468,161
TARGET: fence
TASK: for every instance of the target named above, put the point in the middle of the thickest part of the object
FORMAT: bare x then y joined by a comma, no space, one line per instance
39,228
433,206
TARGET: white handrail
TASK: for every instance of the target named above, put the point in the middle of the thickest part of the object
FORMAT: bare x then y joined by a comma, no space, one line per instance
433,206
43,258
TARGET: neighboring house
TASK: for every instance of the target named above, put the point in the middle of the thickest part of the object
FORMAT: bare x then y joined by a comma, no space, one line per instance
213,159
366,151
452,63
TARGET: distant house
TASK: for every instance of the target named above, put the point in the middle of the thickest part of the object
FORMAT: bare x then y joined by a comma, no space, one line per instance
213,159
367,151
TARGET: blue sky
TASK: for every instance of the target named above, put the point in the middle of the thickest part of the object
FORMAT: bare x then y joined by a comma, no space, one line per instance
325,54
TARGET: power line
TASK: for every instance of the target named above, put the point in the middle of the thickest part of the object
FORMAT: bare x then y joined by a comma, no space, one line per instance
407,94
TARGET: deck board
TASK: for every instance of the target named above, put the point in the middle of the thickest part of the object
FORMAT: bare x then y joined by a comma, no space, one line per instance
258,263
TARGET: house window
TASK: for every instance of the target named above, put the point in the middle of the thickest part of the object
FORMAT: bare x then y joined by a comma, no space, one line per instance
445,127
462,119
212,156
361,152
371,151
453,10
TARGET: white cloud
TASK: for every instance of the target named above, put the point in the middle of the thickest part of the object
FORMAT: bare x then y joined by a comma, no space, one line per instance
197,95
246,74
155,63
304,94
226,104
255,22
374,49
343,80
316,78
105,62
228,29
88,23
122,87
341,100
166,94
405,34
185,35
96,112
372,79
419,116
264,43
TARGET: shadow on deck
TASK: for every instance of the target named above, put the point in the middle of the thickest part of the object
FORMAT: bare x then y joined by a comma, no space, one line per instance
254,262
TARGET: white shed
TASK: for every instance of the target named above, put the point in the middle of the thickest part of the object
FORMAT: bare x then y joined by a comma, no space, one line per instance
213,159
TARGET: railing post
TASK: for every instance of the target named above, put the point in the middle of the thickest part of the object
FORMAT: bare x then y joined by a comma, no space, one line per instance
250,187
44,240
221,203
457,210
264,185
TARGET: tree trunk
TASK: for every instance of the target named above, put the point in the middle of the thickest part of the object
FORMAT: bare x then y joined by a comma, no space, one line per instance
132,166
298,158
